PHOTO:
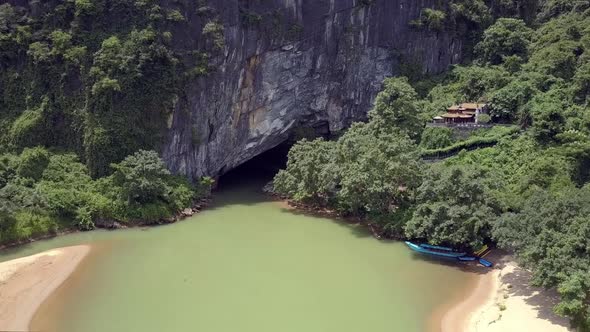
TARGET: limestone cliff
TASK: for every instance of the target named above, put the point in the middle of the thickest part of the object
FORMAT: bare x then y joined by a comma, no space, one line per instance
286,64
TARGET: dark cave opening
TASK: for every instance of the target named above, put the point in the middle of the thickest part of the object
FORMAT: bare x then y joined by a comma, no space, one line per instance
261,169
258,170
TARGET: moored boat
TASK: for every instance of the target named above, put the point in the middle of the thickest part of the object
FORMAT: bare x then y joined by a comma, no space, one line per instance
446,252
435,250
485,263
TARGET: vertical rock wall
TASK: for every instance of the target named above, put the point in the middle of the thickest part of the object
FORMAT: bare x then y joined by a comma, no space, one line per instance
289,64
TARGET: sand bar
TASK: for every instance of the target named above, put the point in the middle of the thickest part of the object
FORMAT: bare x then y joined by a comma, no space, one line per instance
26,282
502,301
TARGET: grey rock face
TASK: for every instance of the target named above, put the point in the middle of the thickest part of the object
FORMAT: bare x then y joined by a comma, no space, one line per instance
326,77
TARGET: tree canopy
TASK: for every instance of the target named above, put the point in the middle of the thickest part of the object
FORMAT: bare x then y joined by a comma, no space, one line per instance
525,190
452,208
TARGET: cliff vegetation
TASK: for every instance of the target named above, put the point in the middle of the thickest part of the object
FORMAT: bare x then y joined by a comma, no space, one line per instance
86,90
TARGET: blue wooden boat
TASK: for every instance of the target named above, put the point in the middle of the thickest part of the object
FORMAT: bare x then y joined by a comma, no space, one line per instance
485,263
429,246
466,258
430,250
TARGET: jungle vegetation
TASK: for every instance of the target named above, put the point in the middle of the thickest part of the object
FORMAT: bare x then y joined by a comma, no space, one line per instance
86,90
85,97
528,191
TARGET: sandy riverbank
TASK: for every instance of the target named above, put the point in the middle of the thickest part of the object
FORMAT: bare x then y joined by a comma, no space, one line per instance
26,282
503,301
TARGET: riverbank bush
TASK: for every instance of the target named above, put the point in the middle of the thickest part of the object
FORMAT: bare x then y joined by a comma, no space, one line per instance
371,171
452,207
46,192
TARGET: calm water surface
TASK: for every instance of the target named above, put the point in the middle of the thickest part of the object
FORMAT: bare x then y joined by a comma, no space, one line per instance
246,264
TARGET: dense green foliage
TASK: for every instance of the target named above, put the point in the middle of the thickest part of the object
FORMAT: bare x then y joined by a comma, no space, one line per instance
42,193
476,140
507,37
371,170
85,87
452,208
436,138
524,187
552,235
99,78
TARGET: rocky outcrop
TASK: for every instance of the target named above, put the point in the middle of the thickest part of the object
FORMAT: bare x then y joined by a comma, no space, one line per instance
288,64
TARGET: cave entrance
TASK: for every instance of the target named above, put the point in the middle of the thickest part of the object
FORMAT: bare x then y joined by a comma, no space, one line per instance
258,170
261,169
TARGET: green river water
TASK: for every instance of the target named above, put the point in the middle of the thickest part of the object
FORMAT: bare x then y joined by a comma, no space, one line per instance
246,264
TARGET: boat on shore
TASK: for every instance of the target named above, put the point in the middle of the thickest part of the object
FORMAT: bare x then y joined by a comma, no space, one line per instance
435,250
450,253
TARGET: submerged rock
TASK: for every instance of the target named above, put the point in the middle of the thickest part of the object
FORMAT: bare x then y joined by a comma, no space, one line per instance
269,188
187,212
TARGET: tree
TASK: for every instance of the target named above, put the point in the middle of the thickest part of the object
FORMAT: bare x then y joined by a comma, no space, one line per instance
436,138
141,177
67,187
484,118
453,208
7,169
548,120
581,82
553,8
506,37
431,19
378,173
574,292
474,12
32,163
311,173
396,108
474,83
506,102
550,235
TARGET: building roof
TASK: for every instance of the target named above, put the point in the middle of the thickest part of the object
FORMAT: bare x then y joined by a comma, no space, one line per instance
456,115
472,106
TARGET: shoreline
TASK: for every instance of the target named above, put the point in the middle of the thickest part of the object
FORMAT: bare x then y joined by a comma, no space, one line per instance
180,215
498,300
494,300
324,212
502,300
25,283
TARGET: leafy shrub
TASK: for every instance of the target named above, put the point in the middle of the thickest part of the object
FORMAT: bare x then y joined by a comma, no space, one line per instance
213,30
507,37
472,142
396,108
175,16
32,163
436,138
29,225
310,175
141,177
452,208
431,19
